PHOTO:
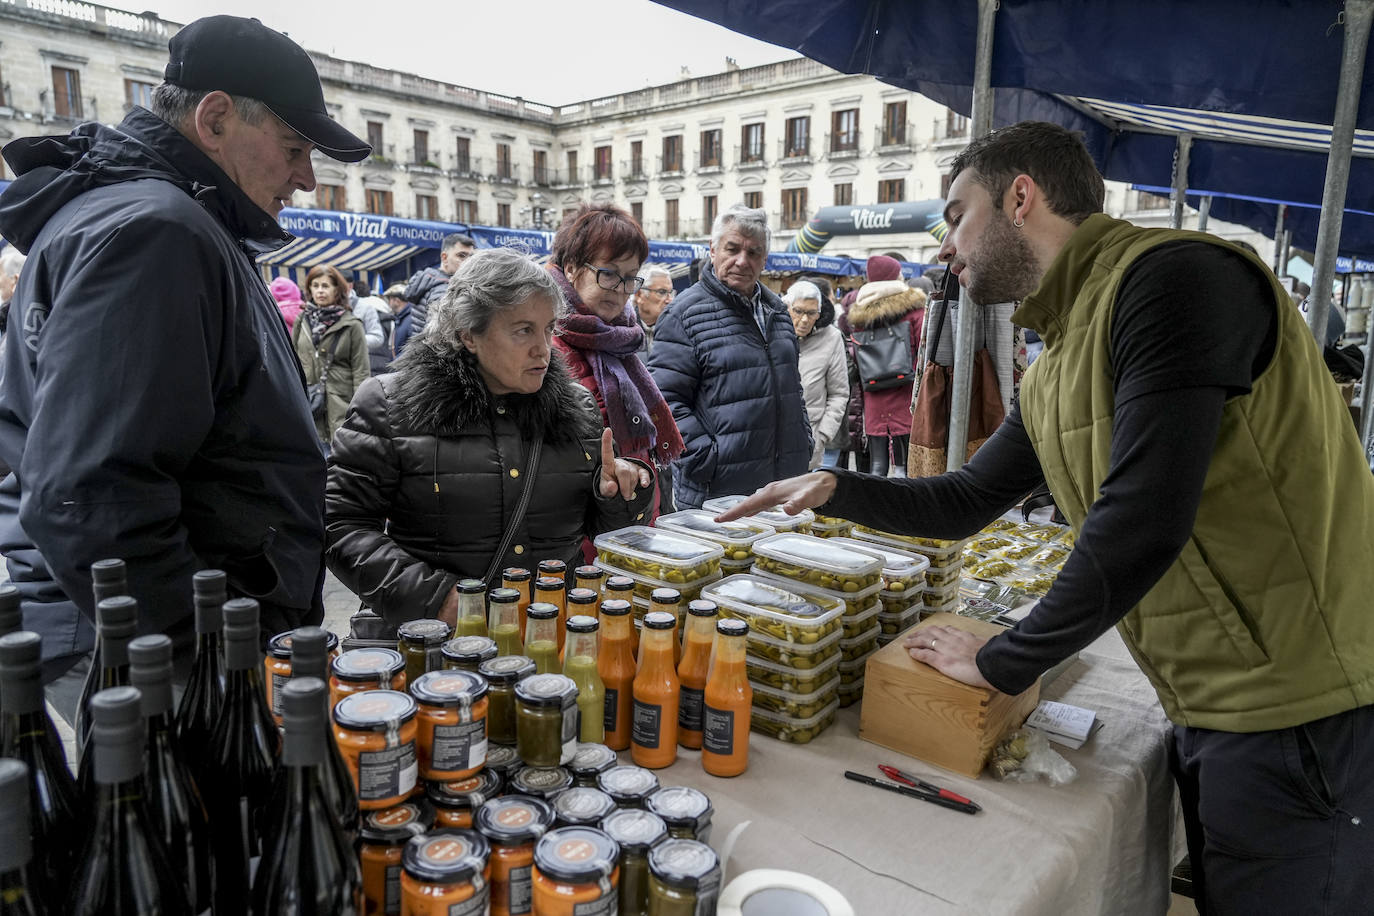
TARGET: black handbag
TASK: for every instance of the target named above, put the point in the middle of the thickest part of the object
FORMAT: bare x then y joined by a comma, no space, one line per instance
884,357
315,392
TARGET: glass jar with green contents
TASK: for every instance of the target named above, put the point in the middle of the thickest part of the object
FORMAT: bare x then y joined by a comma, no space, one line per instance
468,652
541,636
421,644
629,785
590,761
503,760
685,810
581,806
579,663
637,832
540,782
503,673
545,719
472,607
503,620
684,879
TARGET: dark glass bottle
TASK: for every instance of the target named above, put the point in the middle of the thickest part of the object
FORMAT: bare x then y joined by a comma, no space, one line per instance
109,579
310,868
27,734
124,869
242,761
204,694
117,621
310,658
19,881
173,801
11,616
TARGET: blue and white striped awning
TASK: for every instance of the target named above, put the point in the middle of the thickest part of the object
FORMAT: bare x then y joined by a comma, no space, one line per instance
345,254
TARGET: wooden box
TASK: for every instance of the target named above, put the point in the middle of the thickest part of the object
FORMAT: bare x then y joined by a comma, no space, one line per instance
912,708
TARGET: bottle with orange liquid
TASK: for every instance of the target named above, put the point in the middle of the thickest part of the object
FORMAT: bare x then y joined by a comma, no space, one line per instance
592,577
653,732
518,578
553,590
727,704
622,588
580,601
615,662
693,668
669,600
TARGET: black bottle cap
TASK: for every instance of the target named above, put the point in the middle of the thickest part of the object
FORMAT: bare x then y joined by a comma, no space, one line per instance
615,607
618,584
732,627
211,589
150,670
21,690
16,851
550,584
310,653
109,578
471,586
659,620
701,607
11,617
304,711
582,596
117,735
541,610
666,596
582,623
116,620
241,634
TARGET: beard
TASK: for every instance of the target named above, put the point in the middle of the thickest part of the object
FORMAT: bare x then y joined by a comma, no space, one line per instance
1005,268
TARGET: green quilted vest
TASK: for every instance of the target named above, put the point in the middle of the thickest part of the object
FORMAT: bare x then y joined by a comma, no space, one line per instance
1266,620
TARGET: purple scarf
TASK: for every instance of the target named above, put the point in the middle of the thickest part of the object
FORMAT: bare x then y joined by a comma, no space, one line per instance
638,416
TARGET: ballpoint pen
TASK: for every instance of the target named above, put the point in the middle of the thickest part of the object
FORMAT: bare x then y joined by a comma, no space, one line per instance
916,782
965,806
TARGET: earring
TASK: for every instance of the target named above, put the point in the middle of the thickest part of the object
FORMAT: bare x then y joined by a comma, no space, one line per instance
1018,222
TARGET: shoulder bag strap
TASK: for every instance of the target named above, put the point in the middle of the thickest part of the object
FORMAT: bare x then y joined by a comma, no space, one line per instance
518,516
933,344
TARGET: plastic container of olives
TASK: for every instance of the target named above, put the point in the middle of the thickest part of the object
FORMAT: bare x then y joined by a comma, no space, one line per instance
775,518
774,610
933,597
817,562
794,731
902,569
854,602
735,538
900,602
893,624
850,694
675,559
861,646
803,657
849,672
645,585
940,552
831,528
763,672
853,625
796,706
939,576
951,606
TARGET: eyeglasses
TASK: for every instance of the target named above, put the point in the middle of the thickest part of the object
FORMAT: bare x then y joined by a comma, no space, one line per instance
662,293
805,313
609,279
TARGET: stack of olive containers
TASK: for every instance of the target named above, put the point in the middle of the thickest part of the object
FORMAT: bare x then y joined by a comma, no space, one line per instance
735,538
775,518
657,558
941,593
904,581
828,526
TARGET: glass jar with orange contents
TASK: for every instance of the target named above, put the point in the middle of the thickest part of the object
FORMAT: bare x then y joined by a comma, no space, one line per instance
452,719
278,664
446,873
575,872
375,731
381,839
512,825
456,801
365,669
468,652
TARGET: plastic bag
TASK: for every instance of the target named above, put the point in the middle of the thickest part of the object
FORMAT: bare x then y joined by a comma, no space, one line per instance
1025,755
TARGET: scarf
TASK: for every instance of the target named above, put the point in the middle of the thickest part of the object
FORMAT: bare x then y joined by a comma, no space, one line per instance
321,319
631,399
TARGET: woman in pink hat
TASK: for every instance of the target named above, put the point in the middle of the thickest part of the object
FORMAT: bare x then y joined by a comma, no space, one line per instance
288,296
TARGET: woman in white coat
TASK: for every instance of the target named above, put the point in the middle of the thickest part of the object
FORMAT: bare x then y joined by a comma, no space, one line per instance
824,372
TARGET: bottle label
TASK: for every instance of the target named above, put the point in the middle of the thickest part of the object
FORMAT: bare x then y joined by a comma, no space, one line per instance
460,747
278,682
689,709
612,706
388,773
521,891
476,905
392,901
645,729
718,730
605,905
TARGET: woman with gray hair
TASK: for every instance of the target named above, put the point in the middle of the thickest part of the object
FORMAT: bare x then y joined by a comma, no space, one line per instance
476,452
824,368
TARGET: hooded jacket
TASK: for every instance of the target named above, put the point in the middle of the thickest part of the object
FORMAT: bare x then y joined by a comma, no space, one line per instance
887,412
151,403
425,289
289,302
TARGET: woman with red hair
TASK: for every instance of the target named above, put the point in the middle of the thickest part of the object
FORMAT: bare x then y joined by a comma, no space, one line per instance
331,345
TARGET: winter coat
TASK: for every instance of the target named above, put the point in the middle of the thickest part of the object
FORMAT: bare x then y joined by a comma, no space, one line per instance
405,327
888,412
289,301
380,352
735,391
349,367
153,405
424,290
825,385
365,310
428,468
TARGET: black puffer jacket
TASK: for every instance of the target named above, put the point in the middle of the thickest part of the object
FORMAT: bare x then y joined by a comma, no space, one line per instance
429,466
423,291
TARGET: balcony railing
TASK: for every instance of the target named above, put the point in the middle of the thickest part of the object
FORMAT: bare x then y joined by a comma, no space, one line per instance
891,138
633,170
795,152
710,162
570,178
541,176
843,145
603,173
947,131
468,167
671,167
747,157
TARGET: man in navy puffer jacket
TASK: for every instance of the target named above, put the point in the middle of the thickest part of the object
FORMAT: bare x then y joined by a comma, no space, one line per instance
725,358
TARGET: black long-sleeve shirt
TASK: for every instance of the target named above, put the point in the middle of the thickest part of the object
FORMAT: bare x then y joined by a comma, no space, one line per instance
1194,325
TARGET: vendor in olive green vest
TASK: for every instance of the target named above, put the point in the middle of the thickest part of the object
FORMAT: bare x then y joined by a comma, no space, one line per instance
1188,429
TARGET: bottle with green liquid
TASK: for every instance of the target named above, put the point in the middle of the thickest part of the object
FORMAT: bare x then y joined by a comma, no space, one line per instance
472,608
541,637
579,663
503,620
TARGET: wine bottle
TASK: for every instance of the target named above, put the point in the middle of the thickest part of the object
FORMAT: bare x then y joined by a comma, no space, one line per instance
173,800
109,579
11,616
242,761
124,869
19,880
310,869
116,621
310,658
204,695
27,734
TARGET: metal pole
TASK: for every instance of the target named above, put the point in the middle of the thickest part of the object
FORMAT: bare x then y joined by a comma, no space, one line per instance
1204,210
970,315
1358,16
1287,252
1278,239
1179,194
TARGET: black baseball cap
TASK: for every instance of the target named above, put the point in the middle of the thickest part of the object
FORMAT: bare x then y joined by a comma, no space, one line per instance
244,57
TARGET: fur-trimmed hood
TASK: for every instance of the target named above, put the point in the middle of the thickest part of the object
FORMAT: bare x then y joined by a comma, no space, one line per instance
883,303
442,393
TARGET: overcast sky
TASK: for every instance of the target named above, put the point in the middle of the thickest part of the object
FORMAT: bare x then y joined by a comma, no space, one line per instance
551,51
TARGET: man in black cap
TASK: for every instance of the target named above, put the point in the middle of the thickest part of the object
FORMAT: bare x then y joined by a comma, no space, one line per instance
152,407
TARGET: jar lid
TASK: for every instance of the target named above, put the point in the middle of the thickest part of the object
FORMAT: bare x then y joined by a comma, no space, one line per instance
635,829
452,688
582,596
280,645
582,806
700,607
541,690
447,856
666,595
470,793
591,759
618,584
628,783
503,758
515,574
659,620
589,572
541,782
732,626
506,669
576,855
375,710
541,610
582,623
367,665
553,567
471,586
470,649
615,607
685,863
681,806
393,826
514,819
430,632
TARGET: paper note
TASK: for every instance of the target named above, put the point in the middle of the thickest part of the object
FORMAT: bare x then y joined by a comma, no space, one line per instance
1063,724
